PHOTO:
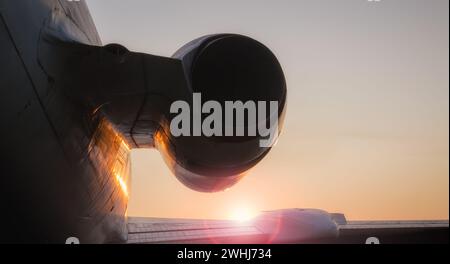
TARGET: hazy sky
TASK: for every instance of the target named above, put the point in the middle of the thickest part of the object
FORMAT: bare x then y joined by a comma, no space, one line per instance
366,132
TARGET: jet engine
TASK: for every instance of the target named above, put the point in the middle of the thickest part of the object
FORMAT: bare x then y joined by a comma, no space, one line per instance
230,85
225,69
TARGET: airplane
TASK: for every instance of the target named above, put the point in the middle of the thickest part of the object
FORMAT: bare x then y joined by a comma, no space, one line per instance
72,109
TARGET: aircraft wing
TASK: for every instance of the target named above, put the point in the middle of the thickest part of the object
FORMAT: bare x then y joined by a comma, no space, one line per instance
285,226
167,231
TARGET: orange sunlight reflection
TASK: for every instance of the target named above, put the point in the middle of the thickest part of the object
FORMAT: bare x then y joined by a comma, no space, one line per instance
122,184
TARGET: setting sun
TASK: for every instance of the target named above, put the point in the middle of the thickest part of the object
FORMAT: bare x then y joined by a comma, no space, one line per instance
242,214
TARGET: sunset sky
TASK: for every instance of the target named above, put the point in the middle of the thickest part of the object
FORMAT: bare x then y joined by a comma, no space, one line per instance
366,132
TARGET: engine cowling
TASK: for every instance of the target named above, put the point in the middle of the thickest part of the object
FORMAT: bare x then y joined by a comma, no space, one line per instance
225,68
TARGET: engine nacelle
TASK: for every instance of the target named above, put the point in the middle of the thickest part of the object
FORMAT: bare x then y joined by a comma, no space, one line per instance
225,69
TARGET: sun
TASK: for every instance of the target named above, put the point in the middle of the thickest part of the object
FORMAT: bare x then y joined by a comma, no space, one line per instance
242,214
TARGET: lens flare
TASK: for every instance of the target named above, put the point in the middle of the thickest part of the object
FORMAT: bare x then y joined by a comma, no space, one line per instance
242,214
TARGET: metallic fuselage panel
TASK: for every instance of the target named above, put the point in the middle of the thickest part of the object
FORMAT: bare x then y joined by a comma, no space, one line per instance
62,175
